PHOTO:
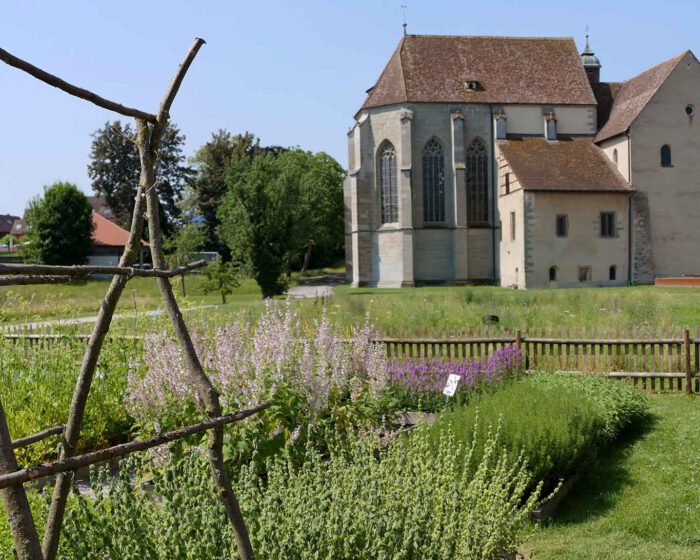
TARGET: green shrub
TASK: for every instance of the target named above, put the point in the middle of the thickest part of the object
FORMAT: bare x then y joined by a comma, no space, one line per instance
557,421
36,387
399,503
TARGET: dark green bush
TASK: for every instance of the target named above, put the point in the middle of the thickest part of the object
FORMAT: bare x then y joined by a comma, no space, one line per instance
557,421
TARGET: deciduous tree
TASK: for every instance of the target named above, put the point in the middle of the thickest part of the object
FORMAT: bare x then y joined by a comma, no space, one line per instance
59,226
224,153
277,208
114,170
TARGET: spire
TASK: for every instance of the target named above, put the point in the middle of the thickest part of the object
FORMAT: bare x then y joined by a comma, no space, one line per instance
588,57
590,62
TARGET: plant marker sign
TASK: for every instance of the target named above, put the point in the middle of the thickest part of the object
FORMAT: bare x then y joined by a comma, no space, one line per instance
451,387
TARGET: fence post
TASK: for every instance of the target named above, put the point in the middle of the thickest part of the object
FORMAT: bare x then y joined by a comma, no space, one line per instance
686,349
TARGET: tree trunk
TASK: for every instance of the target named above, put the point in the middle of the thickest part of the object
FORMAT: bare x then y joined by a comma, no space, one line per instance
223,297
307,257
184,293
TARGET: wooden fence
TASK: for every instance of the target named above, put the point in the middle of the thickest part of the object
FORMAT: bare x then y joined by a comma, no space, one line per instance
655,359
652,359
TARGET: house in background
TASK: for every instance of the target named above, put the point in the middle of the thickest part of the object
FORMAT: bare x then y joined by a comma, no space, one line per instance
109,241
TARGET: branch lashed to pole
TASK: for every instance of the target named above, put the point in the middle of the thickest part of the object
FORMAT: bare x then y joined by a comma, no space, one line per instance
76,91
88,270
79,461
150,129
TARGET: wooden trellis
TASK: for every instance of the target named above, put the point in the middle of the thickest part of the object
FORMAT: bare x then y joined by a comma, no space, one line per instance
28,546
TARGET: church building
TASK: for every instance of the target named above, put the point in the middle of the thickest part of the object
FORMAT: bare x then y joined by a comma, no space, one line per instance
507,161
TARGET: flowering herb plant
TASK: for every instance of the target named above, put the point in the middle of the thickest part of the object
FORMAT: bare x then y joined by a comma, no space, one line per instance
418,383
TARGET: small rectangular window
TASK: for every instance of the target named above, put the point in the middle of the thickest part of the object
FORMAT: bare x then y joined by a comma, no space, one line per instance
512,226
562,226
607,224
613,273
507,183
584,273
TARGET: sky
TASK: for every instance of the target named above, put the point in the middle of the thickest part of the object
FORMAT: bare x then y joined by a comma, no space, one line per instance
291,72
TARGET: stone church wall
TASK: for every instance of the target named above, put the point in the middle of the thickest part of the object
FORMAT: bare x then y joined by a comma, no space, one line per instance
669,195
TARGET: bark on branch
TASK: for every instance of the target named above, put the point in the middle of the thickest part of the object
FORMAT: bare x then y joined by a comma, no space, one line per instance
88,270
76,462
19,515
39,436
31,280
144,137
76,91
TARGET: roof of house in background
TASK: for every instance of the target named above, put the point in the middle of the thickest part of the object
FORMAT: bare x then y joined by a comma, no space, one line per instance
6,222
565,165
109,234
434,68
633,95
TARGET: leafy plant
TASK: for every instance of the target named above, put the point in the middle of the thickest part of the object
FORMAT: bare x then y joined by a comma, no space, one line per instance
556,422
354,504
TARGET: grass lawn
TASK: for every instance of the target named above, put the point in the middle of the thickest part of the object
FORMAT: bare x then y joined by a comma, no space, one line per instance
641,502
637,306
449,306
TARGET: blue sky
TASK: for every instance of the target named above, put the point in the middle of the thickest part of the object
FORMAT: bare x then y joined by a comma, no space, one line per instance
292,72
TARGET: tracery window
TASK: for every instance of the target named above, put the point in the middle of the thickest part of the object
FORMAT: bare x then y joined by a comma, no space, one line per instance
477,183
433,182
388,183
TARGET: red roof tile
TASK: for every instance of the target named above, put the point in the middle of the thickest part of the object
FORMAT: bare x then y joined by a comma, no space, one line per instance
432,68
565,165
634,96
108,233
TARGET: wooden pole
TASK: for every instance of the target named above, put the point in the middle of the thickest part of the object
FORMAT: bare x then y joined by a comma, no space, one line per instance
688,370
18,477
19,515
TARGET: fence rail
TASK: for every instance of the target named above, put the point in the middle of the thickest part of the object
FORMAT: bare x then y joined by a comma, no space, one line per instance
652,359
656,359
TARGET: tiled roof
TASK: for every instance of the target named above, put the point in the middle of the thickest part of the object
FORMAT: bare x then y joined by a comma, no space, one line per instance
6,221
433,68
108,233
633,96
565,165
605,93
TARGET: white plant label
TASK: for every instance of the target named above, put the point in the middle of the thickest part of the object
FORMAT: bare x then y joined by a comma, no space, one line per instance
451,387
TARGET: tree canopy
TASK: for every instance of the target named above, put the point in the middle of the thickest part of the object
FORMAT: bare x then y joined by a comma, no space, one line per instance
59,226
114,171
216,158
276,208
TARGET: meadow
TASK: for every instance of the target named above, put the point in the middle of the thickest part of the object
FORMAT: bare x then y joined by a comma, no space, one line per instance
639,307
511,437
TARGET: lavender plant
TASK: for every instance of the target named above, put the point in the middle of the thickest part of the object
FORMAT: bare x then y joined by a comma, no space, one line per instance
418,383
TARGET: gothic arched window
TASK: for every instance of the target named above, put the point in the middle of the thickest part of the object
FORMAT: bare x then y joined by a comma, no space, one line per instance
665,155
433,182
477,183
388,183
615,158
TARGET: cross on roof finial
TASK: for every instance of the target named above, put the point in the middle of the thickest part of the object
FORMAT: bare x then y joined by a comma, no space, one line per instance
405,25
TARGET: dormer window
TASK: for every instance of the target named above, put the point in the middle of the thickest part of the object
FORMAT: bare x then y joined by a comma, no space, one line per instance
501,125
550,126
472,85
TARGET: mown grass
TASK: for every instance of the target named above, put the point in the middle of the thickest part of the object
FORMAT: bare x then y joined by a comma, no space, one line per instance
642,499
